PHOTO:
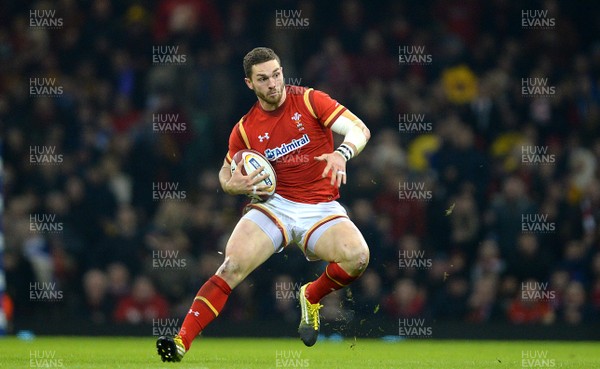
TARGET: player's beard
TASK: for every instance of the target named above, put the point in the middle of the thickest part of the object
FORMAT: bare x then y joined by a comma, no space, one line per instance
274,99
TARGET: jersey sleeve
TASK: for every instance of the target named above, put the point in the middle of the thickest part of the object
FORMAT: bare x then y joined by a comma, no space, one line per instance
323,107
237,141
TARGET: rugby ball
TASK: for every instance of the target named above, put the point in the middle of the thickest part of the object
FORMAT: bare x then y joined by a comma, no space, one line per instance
250,161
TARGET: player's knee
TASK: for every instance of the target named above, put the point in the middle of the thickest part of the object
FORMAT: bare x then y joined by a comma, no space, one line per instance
231,271
362,259
358,257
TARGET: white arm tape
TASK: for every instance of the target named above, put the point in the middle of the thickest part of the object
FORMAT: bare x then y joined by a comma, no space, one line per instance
351,131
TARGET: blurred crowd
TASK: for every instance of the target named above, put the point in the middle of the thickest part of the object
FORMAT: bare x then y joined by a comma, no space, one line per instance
505,222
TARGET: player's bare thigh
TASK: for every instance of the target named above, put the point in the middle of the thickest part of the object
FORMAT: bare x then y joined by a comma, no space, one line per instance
344,244
247,248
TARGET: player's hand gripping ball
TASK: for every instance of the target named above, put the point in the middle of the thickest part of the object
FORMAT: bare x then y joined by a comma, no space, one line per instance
252,160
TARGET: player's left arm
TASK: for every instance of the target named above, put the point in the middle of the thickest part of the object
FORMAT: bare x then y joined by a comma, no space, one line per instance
356,135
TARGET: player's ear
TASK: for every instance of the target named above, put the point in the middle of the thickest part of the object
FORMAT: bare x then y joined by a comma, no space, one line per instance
249,83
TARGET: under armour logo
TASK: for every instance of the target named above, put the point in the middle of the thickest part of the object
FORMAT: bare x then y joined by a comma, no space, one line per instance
265,137
196,313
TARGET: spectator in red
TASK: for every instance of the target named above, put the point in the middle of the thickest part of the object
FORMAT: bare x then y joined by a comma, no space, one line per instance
187,17
407,300
481,304
408,216
143,304
531,306
595,298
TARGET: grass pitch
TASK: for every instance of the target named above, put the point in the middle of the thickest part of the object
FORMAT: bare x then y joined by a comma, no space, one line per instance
212,353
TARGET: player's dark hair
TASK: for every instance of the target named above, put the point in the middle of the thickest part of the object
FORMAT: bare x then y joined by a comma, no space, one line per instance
256,56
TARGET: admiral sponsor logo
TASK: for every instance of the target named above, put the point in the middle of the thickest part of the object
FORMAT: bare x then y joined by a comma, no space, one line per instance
286,148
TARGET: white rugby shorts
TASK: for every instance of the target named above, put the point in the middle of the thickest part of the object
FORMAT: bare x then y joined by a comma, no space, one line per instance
287,222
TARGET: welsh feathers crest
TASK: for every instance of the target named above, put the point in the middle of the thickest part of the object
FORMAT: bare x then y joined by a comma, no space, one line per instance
296,118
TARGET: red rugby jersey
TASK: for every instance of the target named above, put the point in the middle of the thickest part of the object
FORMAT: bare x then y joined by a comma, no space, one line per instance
290,137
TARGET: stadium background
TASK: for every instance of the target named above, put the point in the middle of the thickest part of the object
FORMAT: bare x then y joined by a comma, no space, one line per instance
89,237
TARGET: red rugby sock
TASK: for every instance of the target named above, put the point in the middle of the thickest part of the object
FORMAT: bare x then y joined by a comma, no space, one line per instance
206,307
333,279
